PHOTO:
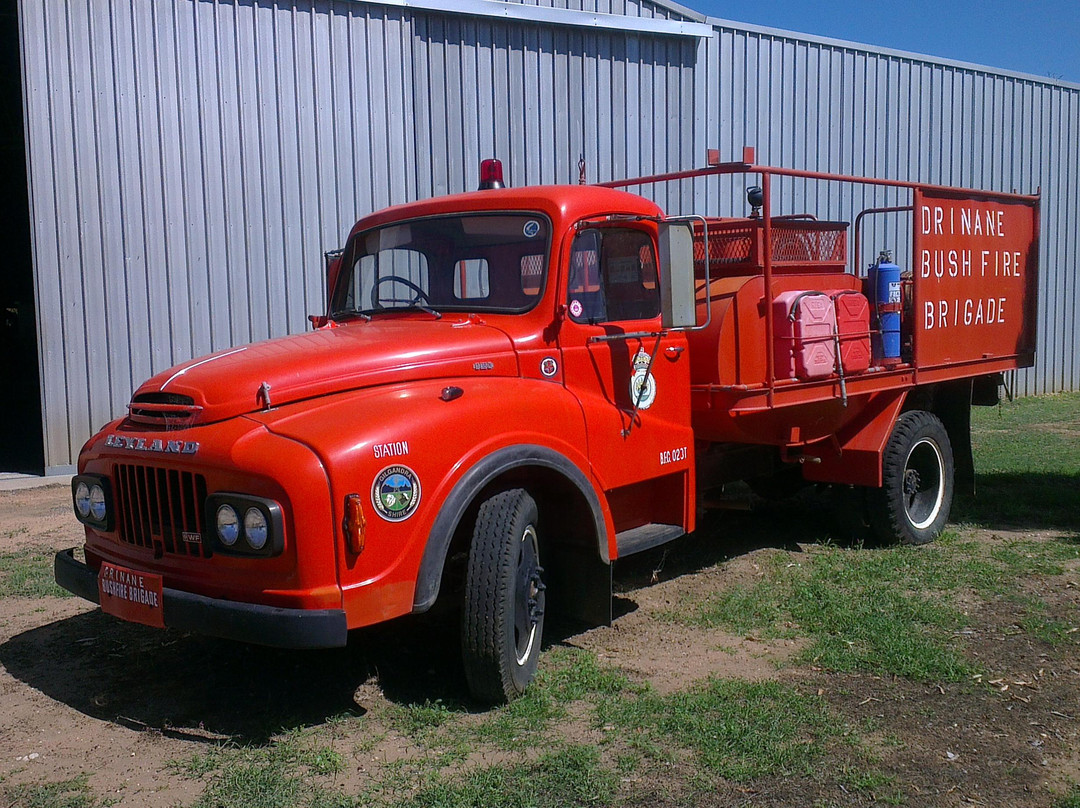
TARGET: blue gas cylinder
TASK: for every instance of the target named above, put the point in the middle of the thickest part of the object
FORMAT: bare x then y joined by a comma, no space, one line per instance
886,297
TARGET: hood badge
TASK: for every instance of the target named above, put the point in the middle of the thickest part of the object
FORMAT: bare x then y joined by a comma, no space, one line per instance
264,395
188,447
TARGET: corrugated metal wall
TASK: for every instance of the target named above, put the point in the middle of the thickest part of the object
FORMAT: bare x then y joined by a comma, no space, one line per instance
191,159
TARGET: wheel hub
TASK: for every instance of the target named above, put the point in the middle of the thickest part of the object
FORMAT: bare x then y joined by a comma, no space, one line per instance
533,589
912,481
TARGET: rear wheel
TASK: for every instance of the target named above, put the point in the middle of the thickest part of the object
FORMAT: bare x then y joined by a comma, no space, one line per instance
503,615
917,471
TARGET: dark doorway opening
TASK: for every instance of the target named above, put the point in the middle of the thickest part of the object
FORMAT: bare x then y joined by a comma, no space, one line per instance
21,441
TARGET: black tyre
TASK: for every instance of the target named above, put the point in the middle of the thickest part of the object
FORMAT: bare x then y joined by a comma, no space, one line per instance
503,616
916,495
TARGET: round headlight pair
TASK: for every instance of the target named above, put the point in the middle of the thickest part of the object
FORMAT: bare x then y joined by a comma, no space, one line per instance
256,529
90,501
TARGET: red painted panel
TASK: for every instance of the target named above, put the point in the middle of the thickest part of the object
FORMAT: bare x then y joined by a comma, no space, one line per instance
131,595
974,278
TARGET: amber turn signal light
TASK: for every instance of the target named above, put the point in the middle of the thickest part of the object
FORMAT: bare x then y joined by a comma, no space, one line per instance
354,523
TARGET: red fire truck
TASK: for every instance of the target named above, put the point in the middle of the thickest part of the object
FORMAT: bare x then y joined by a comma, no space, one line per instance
512,388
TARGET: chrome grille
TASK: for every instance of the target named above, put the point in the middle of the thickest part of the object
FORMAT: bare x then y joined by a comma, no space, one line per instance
161,509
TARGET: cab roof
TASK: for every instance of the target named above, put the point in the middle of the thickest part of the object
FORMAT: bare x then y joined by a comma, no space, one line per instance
567,203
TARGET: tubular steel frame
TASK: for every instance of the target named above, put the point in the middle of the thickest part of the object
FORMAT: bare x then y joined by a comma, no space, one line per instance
748,166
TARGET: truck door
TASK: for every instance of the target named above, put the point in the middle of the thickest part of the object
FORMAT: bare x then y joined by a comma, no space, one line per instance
637,414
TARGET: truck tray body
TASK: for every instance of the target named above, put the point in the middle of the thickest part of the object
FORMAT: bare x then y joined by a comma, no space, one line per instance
765,369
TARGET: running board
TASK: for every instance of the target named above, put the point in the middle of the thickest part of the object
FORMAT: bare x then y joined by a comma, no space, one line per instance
646,537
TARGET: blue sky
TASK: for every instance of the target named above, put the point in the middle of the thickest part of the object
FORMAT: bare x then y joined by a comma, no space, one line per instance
1041,37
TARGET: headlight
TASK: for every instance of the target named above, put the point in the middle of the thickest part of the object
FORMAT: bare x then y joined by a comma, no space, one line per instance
255,528
228,525
97,503
91,498
246,525
82,500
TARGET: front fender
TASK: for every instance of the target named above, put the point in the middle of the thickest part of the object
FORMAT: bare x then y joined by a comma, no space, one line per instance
475,480
449,449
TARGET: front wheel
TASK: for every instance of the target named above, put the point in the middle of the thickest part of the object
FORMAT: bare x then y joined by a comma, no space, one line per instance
503,616
917,472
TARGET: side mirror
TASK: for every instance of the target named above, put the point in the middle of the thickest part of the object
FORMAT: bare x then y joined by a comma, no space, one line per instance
677,292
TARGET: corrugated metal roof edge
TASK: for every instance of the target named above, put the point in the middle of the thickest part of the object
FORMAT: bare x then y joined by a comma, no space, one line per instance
718,23
516,11
587,19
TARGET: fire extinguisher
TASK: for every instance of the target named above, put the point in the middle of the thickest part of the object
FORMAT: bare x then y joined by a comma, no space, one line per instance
885,296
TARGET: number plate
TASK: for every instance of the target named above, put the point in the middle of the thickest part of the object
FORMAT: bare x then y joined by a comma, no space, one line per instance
130,595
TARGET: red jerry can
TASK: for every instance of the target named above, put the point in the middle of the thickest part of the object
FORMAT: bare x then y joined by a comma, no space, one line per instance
804,325
853,326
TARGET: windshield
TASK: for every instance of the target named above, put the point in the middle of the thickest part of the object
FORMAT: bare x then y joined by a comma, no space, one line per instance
473,262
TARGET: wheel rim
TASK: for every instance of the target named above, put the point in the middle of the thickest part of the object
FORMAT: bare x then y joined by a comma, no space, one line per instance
529,596
924,483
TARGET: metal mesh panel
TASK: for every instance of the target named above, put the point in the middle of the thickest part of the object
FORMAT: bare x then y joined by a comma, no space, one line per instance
736,246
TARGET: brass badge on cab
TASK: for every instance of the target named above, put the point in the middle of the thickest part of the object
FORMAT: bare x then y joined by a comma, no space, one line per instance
396,493
642,383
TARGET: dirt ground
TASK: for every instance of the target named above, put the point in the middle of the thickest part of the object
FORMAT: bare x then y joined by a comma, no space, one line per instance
83,693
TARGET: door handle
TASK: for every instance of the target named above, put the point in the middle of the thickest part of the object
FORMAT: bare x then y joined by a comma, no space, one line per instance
673,351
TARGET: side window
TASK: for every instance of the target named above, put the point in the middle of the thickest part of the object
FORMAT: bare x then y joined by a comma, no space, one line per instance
471,279
612,276
532,274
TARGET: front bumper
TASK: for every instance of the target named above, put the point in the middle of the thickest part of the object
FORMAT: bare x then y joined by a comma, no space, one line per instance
232,620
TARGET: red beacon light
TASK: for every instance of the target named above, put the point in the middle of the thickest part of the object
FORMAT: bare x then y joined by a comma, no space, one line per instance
491,174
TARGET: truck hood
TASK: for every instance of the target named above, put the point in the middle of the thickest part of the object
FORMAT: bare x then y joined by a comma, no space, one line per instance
329,360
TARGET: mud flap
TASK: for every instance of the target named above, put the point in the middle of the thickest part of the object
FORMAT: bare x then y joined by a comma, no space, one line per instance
952,404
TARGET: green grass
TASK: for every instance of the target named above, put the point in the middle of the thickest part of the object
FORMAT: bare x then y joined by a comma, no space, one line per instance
566,675
887,611
74,793
289,772
1036,621
735,729
570,775
28,574
1027,462
297,769
1028,435
1071,799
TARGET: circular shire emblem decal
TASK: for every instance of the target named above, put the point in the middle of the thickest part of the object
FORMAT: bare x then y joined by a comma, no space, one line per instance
549,367
531,228
396,493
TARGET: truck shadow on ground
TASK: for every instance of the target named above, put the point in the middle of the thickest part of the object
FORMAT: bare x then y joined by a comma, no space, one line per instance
1032,501
204,689
208,690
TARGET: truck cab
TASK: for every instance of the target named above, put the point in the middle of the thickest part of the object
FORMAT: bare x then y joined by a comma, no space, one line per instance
462,412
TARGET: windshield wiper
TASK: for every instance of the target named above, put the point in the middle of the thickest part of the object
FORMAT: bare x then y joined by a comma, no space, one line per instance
348,315
368,313
428,309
